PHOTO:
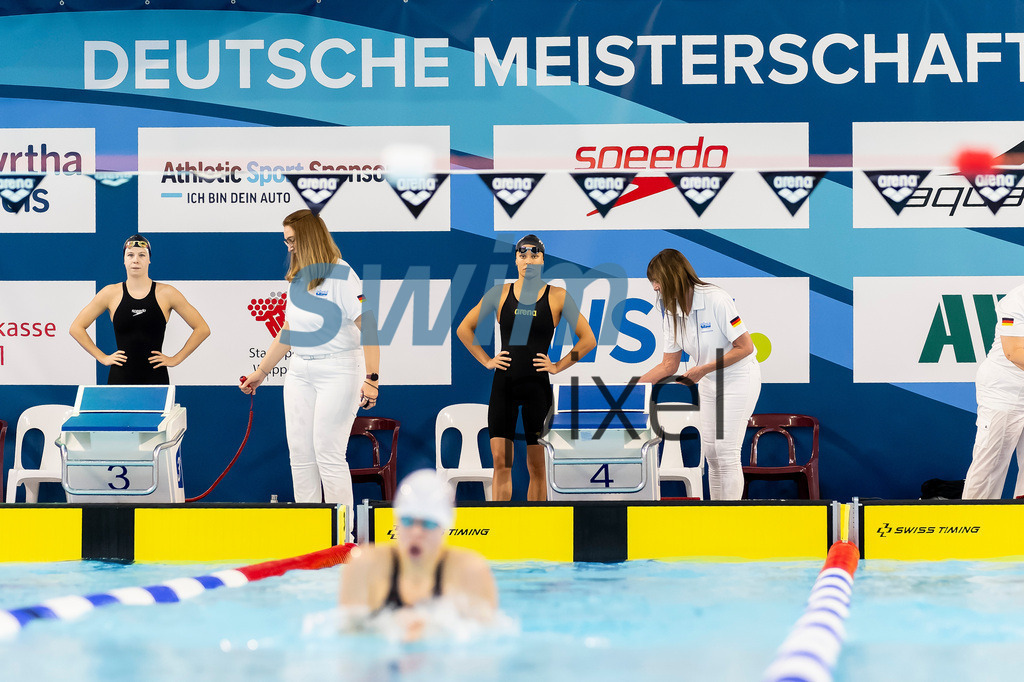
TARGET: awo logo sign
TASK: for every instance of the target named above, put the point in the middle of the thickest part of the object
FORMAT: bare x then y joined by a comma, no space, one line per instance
15,190
699,189
793,189
270,311
511,189
317,190
603,189
416,192
950,328
896,186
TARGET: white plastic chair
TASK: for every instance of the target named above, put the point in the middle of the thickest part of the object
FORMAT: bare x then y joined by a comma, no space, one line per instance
470,419
671,467
48,419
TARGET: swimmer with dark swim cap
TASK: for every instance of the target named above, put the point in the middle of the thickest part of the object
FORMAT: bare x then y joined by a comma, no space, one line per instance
419,566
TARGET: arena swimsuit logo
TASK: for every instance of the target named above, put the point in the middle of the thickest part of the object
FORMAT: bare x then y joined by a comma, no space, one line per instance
897,187
699,189
603,190
317,190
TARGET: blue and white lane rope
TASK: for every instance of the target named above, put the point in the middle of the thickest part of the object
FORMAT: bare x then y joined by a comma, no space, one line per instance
810,651
169,592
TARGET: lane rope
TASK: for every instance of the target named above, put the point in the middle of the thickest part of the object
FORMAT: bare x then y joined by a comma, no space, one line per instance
170,591
810,651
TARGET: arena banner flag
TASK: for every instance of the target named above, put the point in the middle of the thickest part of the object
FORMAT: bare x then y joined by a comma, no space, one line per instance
631,175
935,193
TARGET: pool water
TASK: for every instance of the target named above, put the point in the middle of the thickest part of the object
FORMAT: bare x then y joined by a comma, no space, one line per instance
636,620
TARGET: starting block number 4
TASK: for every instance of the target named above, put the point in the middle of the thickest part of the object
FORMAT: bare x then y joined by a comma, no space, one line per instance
598,476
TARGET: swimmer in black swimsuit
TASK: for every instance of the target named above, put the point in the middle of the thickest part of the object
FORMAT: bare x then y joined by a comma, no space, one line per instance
139,309
418,567
528,311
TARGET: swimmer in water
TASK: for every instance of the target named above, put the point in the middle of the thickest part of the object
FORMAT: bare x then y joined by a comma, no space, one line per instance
419,567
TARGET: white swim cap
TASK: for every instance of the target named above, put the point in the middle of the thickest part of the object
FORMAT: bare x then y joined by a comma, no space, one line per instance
423,494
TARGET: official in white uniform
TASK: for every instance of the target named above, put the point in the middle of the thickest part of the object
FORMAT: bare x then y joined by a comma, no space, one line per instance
331,373
1000,390
701,319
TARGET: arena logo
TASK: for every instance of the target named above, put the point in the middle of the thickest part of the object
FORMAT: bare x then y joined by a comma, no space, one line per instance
511,190
112,178
995,188
793,189
896,186
699,189
885,530
317,190
416,192
603,189
17,190
950,327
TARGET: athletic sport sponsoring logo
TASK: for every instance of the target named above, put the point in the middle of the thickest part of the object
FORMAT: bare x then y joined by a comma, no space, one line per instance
45,181
935,193
924,329
35,347
254,311
649,161
245,179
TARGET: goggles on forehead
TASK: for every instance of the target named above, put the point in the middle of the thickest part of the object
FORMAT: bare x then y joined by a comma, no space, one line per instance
530,249
136,242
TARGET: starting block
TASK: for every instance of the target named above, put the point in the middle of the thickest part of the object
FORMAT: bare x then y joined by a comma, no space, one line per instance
121,444
601,448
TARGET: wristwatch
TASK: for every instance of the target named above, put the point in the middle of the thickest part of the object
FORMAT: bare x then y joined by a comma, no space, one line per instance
373,377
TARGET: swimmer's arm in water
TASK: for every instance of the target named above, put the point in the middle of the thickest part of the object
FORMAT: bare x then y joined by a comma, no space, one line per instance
468,577
362,586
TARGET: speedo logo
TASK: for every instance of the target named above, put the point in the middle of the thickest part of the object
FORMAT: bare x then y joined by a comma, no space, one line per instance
656,157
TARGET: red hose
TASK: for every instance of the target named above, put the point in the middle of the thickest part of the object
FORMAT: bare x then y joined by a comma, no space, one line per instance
248,428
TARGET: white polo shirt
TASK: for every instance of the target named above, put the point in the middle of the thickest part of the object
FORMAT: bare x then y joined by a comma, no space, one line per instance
1000,383
713,323
345,291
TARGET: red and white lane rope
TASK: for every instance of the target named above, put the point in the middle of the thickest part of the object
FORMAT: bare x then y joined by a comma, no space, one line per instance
810,651
179,589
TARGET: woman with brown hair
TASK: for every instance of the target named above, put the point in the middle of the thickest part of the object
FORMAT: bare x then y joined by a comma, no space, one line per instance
331,372
701,319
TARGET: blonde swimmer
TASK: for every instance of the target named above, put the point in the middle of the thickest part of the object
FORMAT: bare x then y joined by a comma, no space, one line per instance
419,568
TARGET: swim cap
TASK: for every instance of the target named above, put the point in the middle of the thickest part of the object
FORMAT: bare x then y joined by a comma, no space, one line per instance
138,240
531,240
423,494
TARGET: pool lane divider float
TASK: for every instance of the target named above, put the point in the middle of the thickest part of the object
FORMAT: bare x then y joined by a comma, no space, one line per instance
171,591
810,651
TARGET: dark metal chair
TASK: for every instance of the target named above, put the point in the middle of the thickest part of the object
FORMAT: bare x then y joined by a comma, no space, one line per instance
384,474
805,475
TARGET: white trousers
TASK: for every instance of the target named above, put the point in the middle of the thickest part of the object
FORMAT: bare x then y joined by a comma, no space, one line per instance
321,398
1000,432
742,387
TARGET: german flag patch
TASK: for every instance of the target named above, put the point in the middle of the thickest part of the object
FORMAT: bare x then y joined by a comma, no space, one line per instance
361,298
1007,321
736,321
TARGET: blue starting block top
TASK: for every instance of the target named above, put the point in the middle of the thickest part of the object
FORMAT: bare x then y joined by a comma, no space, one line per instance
593,420
115,421
590,397
125,399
